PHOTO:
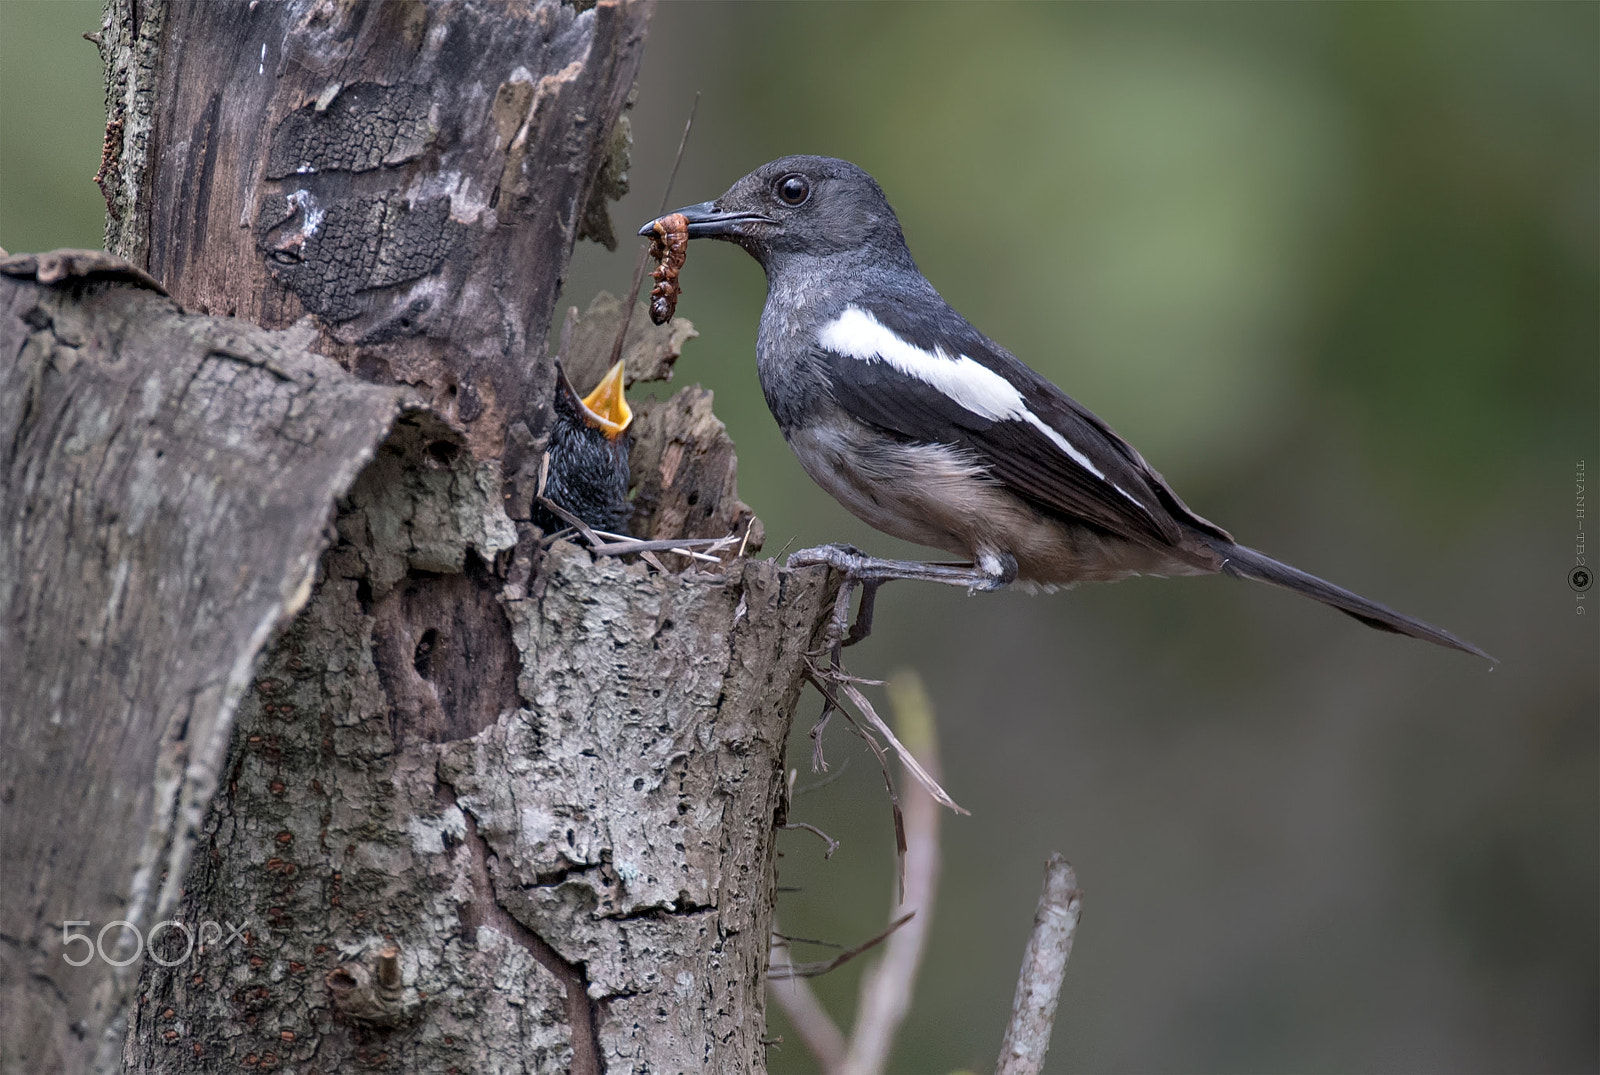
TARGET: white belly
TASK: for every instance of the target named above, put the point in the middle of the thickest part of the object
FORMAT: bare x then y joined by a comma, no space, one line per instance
939,496
924,493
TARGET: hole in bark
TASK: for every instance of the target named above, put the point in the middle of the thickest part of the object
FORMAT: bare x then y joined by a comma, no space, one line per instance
454,634
638,783
444,452
570,841
422,659
409,320
694,497
369,367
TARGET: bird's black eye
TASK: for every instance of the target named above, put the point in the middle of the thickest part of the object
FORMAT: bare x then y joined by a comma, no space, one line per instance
794,189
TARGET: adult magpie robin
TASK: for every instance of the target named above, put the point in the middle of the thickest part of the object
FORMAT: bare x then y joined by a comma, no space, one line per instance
928,430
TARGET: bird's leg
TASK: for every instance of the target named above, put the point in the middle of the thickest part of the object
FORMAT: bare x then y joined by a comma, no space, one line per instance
863,625
995,572
870,573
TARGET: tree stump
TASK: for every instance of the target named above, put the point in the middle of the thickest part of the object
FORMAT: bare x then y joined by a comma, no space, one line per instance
459,800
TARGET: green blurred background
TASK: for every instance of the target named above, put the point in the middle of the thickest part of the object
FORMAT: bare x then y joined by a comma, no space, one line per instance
1333,268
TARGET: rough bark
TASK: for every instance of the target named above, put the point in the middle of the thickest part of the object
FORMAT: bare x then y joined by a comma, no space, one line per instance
484,805
166,483
414,175
582,883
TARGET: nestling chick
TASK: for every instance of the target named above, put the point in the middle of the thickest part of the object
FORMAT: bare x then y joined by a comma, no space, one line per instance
588,451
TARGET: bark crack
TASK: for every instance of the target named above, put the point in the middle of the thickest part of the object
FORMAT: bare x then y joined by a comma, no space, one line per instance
486,909
657,912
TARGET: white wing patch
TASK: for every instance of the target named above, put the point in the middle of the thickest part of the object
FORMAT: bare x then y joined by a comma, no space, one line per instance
857,334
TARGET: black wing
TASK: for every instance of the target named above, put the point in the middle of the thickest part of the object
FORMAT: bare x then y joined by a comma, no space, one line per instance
1126,497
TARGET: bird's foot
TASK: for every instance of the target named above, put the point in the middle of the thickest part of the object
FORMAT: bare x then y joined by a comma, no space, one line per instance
991,572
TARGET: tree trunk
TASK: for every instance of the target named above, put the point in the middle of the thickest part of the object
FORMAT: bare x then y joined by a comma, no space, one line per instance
165,489
481,805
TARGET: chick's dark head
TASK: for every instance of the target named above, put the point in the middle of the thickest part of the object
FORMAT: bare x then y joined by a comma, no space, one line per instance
588,450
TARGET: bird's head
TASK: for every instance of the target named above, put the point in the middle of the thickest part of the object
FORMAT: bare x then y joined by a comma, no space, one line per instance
811,206
605,409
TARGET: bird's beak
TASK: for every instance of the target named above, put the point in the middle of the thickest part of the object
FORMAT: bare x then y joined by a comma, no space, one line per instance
707,222
607,406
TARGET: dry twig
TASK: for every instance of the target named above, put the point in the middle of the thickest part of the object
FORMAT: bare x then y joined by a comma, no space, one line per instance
817,1030
818,785
833,845
823,966
908,759
821,682
792,940
605,543
1044,963
825,679
644,251
886,988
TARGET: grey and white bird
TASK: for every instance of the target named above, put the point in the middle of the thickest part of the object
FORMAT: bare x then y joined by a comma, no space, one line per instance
928,430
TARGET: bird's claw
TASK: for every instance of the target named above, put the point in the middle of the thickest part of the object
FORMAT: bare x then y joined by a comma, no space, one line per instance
869,572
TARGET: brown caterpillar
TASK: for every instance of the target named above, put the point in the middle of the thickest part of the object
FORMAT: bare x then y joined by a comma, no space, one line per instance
669,245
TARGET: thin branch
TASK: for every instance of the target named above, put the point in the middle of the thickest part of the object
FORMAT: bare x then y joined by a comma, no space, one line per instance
817,785
906,756
811,1021
839,675
562,513
816,970
644,251
1044,963
654,561
895,810
790,939
679,546
833,845
604,543
819,764
672,176
885,995
821,681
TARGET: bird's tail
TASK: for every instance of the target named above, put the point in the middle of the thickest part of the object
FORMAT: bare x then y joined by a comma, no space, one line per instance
1249,564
